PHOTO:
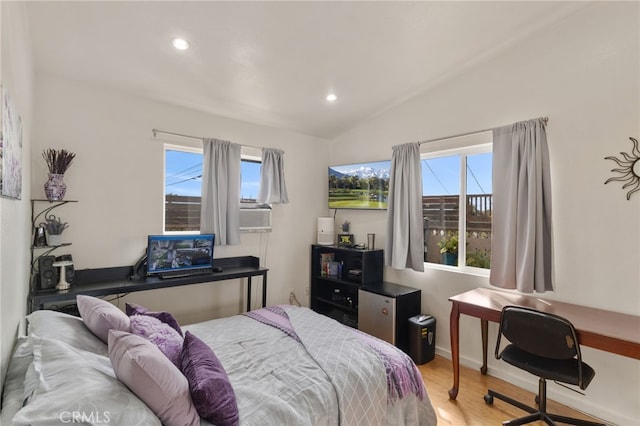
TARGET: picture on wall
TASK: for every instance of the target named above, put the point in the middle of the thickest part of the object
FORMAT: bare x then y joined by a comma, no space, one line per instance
10,149
359,186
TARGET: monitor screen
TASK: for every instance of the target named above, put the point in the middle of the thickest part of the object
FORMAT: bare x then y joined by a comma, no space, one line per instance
179,252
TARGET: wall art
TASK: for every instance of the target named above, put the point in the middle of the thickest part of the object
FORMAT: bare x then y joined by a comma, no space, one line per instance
629,169
10,149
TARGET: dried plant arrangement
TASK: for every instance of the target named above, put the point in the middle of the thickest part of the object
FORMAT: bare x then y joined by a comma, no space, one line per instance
58,161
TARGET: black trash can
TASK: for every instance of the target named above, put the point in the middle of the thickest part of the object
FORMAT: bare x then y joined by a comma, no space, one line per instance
422,338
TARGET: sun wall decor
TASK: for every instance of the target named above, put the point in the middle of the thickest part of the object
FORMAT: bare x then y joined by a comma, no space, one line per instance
629,169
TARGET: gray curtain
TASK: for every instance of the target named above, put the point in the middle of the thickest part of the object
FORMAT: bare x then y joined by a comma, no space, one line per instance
405,238
521,241
220,211
273,188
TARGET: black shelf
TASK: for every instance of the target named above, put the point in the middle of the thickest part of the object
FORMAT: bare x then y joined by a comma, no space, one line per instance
35,218
336,296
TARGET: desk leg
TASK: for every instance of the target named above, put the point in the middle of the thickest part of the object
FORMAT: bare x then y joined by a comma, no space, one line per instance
454,329
248,294
264,290
484,328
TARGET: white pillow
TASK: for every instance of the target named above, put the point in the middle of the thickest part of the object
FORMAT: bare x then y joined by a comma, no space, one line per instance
101,316
141,366
66,328
76,382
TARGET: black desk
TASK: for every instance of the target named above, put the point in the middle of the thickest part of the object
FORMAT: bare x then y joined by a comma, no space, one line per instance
109,281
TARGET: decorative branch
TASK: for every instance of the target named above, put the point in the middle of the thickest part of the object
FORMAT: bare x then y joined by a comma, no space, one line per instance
58,161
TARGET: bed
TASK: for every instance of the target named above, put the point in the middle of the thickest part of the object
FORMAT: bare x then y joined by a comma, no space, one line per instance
281,365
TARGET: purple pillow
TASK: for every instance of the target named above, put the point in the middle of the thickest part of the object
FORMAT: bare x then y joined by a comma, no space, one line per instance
209,385
165,317
160,334
151,376
101,316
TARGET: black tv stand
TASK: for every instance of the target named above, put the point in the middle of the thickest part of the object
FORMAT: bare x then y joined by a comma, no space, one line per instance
117,280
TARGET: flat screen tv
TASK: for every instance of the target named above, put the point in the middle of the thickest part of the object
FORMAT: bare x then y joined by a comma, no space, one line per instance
179,252
359,185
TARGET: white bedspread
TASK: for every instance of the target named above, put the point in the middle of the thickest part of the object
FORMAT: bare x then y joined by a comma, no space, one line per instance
277,381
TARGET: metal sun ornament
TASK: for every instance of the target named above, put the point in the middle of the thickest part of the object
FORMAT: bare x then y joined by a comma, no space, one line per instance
629,169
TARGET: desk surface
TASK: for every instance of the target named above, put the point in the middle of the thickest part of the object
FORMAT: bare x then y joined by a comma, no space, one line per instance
108,281
606,330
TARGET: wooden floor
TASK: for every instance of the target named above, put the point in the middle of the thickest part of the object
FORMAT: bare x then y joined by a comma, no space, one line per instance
469,408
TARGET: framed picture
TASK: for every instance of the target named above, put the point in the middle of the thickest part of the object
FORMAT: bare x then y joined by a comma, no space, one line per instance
10,149
345,240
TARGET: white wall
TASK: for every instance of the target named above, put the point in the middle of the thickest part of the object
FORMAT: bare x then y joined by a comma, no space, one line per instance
15,227
117,178
583,73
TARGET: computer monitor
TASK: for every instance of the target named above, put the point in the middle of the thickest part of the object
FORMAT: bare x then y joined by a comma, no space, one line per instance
179,252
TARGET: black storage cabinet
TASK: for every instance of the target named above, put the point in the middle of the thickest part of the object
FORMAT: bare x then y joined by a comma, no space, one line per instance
422,338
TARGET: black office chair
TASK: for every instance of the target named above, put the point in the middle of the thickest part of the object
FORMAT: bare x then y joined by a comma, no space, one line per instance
546,346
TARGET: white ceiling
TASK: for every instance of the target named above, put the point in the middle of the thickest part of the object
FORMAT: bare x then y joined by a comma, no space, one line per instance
273,63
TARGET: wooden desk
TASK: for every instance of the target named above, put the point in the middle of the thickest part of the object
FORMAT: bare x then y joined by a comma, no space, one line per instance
109,281
605,330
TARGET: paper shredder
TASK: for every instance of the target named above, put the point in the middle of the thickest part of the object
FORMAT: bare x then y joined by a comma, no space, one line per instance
422,338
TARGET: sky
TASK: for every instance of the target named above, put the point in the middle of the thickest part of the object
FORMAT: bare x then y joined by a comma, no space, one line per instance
440,176
184,175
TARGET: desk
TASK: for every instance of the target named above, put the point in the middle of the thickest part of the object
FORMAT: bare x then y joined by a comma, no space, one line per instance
605,330
109,281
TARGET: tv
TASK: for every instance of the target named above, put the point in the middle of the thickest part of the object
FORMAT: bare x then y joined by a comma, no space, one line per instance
359,185
179,252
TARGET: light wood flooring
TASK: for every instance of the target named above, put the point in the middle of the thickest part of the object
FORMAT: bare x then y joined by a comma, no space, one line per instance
469,408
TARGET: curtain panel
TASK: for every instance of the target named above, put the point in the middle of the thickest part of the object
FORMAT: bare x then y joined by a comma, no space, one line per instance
521,245
405,233
220,209
273,188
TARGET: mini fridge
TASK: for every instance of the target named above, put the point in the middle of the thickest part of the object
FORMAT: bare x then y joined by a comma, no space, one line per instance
384,310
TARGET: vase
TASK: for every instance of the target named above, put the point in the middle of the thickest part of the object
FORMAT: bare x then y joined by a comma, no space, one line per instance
55,240
450,259
54,187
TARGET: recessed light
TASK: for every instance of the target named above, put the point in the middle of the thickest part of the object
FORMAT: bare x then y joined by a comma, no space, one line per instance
332,97
180,43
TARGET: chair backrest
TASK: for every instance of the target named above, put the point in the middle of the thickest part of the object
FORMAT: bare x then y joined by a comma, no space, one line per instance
539,333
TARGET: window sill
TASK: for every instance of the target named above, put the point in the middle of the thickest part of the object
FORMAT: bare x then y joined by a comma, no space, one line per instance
467,270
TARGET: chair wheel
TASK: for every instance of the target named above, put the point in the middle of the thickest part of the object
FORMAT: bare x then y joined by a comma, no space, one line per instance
488,399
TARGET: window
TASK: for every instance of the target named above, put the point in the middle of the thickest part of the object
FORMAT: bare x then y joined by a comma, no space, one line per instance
183,185
456,202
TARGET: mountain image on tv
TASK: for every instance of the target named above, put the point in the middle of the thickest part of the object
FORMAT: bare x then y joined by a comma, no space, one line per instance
359,186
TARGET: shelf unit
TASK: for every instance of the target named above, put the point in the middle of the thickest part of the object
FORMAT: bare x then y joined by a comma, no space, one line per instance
334,293
38,214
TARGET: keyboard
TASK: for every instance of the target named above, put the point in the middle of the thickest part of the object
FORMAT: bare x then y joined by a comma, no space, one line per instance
185,274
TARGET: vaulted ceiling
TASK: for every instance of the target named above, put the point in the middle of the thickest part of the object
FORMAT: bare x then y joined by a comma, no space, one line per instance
273,63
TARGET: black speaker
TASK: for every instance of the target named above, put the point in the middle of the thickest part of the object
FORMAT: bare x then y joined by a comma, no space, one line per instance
48,273
69,272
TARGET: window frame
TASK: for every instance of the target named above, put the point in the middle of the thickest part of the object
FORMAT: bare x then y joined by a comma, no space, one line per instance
479,143
250,154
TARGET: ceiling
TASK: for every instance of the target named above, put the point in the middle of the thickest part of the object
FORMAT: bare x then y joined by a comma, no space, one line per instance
273,63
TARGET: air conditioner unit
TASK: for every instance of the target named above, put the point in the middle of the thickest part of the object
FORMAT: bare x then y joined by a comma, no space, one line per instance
255,219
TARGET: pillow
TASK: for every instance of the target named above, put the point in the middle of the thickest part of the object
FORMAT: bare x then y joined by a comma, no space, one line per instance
72,380
160,334
101,316
141,366
66,328
165,317
209,385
